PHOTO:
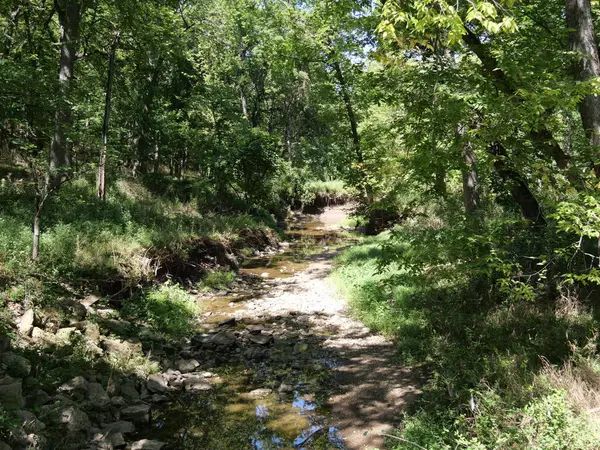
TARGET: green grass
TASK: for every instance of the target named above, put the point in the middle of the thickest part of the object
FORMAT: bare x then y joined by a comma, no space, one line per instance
488,386
217,280
85,241
332,188
168,309
322,193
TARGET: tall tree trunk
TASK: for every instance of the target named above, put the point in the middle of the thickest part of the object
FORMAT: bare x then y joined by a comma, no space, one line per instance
69,15
582,39
530,208
13,20
144,140
156,157
440,182
470,183
35,253
353,127
470,180
288,137
107,102
244,103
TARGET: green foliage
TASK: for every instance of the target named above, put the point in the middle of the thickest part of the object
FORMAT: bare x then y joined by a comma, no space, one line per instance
482,352
84,239
168,309
218,280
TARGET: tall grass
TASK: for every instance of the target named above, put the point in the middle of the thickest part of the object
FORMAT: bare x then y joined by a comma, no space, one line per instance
84,238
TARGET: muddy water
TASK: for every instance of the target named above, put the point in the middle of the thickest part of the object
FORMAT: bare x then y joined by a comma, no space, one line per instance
293,373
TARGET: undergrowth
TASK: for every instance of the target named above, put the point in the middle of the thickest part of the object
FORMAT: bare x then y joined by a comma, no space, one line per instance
217,280
85,242
168,309
501,373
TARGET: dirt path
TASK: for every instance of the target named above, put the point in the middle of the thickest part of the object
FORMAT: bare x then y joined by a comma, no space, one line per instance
371,388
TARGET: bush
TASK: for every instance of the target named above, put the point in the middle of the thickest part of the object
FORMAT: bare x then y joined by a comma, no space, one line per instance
167,308
217,280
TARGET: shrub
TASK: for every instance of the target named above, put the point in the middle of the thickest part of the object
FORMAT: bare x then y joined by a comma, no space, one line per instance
167,308
217,280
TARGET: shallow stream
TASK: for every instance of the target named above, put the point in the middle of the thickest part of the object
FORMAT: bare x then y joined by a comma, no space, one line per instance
265,395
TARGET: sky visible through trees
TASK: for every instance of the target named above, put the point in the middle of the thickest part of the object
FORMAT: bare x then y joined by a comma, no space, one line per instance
467,133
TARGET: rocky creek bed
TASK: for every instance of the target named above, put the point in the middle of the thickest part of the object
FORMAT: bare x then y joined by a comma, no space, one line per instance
274,362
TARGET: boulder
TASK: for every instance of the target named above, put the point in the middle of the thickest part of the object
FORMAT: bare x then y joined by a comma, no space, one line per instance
31,384
121,426
26,322
4,343
80,325
74,419
23,440
255,329
196,384
90,300
159,398
38,398
260,339
285,388
108,441
73,308
227,323
259,393
138,413
118,402
187,365
77,385
158,383
30,422
222,339
128,389
118,327
123,348
97,396
11,393
63,335
148,334
16,365
39,336
146,444
92,332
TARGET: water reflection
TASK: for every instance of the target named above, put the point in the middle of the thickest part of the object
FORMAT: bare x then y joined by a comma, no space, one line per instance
229,417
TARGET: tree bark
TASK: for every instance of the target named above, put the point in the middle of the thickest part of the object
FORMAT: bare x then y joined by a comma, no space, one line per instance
470,183
519,190
144,140
582,39
35,253
244,103
353,127
439,184
156,157
471,197
107,103
69,15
